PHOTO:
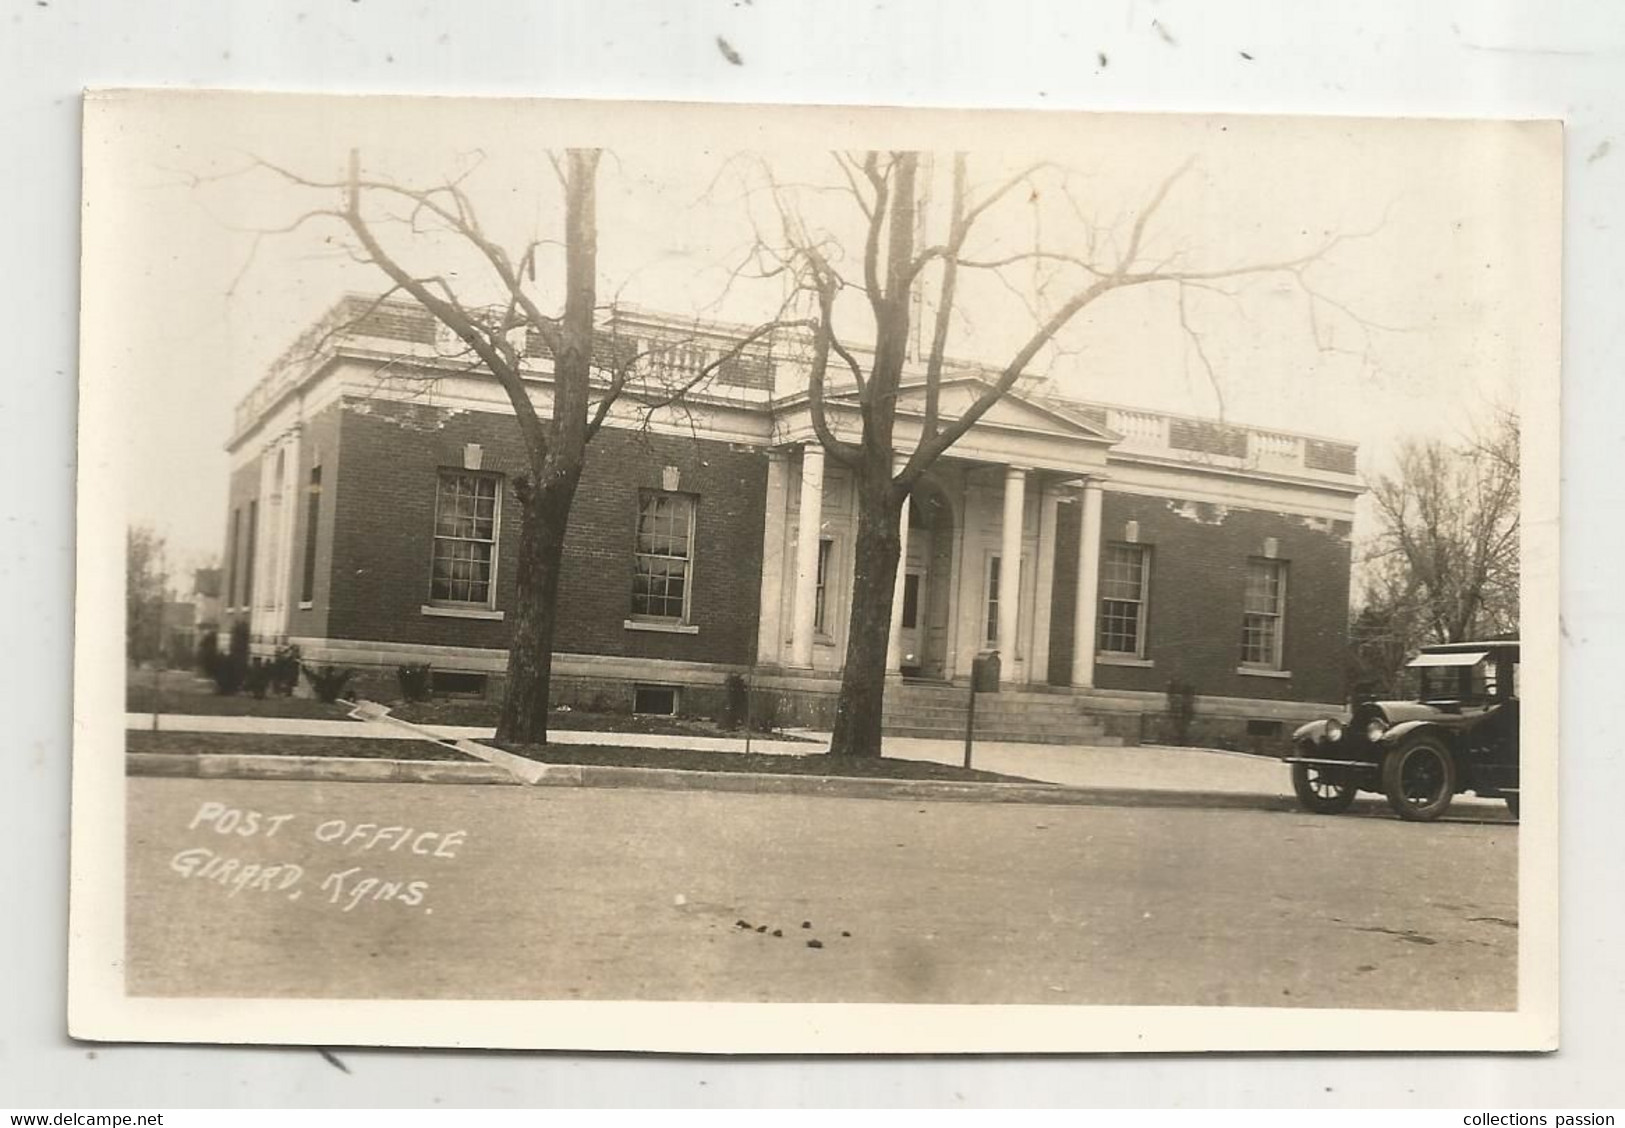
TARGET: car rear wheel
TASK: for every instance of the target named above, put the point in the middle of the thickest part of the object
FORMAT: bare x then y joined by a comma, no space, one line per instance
1320,790
1419,778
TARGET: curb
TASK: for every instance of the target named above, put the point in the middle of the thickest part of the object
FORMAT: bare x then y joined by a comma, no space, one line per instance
355,770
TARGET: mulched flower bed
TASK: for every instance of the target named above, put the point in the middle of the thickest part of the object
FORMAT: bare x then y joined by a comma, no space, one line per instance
683,759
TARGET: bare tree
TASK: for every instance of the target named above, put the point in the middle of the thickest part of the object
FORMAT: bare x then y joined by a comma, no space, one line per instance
145,583
894,260
392,225
1444,563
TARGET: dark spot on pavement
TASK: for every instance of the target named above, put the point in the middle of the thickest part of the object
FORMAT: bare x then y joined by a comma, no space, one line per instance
728,52
1163,33
815,943
806,924
1400,934
844,932
1100,57
1244,55
1363,968
779,932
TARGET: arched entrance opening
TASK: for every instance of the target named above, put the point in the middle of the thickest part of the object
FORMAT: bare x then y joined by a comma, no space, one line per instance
927,584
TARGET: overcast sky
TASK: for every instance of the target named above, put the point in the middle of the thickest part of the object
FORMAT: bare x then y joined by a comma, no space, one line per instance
1427,311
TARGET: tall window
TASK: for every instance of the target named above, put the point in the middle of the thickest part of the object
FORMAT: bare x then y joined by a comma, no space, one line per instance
248,565
1125,576
826,550
313,507
465,539
233,567
991,631
1264,614
663,556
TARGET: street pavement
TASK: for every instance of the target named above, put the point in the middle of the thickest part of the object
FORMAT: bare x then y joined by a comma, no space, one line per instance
457,891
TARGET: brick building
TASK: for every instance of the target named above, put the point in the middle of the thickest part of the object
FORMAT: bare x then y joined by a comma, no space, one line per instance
371,498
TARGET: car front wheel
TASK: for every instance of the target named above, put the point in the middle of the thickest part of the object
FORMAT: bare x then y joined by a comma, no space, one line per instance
1321,791
1419,778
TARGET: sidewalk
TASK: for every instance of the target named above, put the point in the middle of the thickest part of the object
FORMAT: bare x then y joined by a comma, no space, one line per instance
1143,768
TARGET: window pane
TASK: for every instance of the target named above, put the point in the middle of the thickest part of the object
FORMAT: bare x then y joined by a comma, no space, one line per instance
660,555
465,538
911,600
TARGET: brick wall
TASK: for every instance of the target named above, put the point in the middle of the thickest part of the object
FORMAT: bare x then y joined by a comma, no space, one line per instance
320,446
383,521
1199,556
242,488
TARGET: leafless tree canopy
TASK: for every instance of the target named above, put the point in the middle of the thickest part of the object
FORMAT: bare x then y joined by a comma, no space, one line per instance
872,256
1444,563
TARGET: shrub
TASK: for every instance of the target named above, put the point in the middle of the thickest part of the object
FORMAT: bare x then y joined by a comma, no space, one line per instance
284,670
230,669
736,703
258,678
415,679
1181,709
764,711
208,650
328,681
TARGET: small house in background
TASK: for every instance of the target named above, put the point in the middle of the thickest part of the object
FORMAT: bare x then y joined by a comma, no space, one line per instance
207,607
1121,561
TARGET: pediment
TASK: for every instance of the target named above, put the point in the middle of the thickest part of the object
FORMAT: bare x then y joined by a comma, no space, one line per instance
1014,411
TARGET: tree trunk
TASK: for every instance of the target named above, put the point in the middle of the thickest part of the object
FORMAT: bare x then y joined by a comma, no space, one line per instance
863,681
544,517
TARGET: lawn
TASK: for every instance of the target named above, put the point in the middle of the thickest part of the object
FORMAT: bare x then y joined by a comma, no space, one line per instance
682,759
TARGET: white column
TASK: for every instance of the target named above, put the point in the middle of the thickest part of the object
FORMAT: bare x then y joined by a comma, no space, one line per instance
1043,586
894,644
770,605
1015,505
1083,623
809,524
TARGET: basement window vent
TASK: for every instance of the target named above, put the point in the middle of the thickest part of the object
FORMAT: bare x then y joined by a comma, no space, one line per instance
454,683
655,700
1263,728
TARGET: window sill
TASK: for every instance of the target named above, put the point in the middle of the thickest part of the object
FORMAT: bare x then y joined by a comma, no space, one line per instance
661,628
462,612
1124,660
306,604
1256,672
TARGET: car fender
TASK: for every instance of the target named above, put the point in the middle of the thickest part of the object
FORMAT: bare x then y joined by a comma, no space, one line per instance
1403,731
1312,733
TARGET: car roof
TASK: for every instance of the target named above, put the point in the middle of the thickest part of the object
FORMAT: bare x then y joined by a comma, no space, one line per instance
1499,645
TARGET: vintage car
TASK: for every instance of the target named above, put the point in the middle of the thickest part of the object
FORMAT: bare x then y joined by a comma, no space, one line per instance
1459,732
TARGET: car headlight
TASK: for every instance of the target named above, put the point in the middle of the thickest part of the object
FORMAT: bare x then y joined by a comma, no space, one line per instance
1334,732
1374,728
